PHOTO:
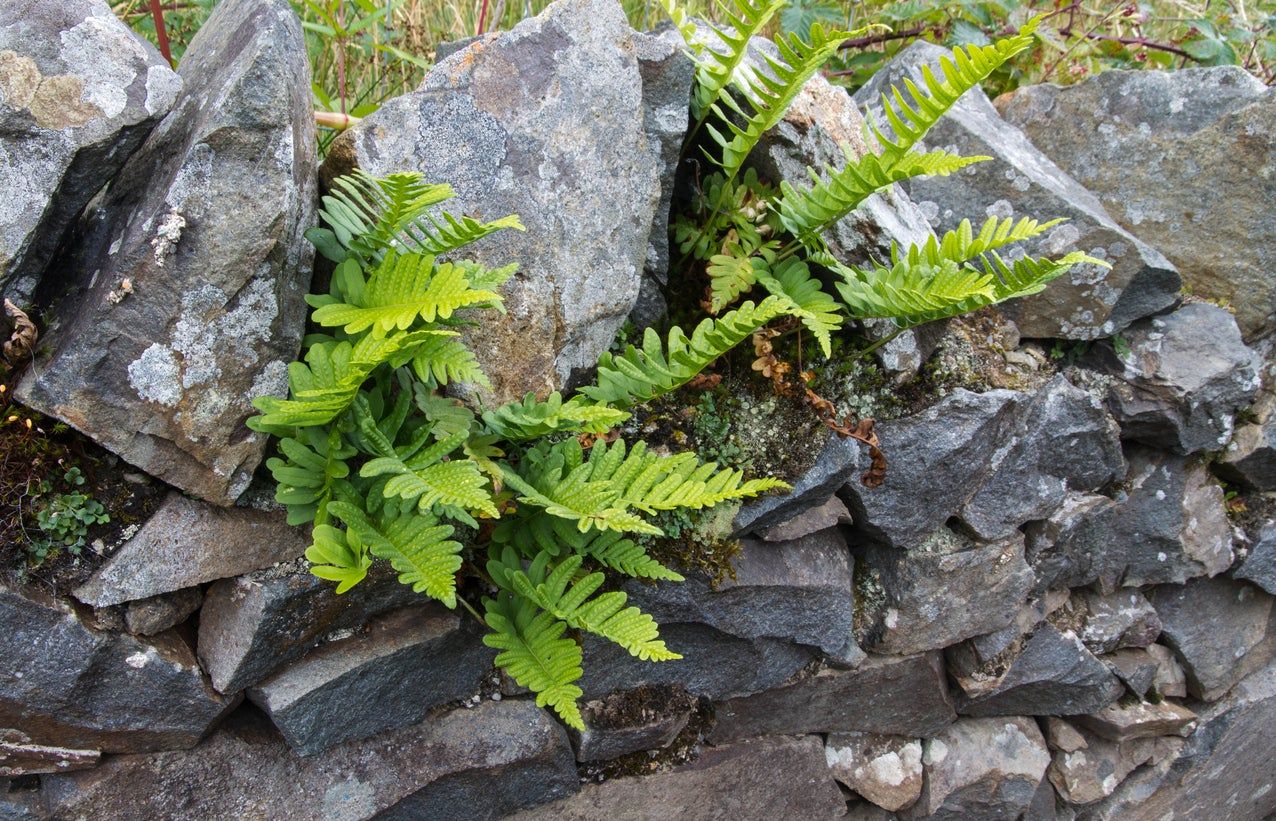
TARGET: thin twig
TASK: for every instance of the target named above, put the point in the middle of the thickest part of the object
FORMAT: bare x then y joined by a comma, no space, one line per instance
161,33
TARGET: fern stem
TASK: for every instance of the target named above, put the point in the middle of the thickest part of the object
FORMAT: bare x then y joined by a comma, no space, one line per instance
473,612
879,343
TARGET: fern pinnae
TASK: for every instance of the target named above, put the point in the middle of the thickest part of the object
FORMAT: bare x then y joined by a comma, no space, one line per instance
536,655
962,244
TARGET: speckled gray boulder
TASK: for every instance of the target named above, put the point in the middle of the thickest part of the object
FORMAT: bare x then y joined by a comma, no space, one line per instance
1088,302
1259,566
188,283
78,94
1250,458
1184,160
545,121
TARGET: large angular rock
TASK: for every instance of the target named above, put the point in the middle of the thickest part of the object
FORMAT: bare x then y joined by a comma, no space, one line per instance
253,625
478,763
406,663
1250,458
830,514
945,591
1117,620
762,779
1088,302
886,770
1135,666
648,718
1095,767
1069,549
1046,673
78,94
1259,566
545,121
188,542
67,685
1183,379
837,463
986,768
1131,719
884,694
1220,629
1177,158
186,290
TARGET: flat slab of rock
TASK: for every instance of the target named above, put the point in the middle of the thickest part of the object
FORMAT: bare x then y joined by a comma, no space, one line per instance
763,779
188,542
885,694
484,762
648,718
1088,302
830,514
545,121
406,663
1175,159
67,685
1128,719
886,770
186,291
838,462
18,756
79,92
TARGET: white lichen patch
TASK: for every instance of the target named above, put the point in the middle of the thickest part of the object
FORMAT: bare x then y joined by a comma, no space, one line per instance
167,235
156,377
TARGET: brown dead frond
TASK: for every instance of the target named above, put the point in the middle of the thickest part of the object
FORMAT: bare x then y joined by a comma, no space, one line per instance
21,343
861,431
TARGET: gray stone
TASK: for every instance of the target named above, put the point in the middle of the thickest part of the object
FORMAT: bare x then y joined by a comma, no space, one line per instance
18,756
1224,770
186,296
66,685
1170,679
751,781
78,94
188,542
1117,620
1094,770
1178,158
947,590
478,763
1259,566
1183,379
253,625
648,718
1137,668
838,462
830,514
884,694
1070,548
982,768
1250,458
1088,302
545,121
146,617
1047,673
1130,719
1220,629
406,663
886,770
939,459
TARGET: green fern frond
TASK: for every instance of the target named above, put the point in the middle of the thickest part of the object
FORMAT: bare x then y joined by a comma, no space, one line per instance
574,497
335,557
458,483
533,418
716,68
791,281
962,244
416,546
733,274
441,361
914,294
313,462
642,375
626,556
538,532
534,652
1030,275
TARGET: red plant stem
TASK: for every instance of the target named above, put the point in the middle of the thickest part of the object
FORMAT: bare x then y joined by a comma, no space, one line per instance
872,39
161,33
1131,41
482,24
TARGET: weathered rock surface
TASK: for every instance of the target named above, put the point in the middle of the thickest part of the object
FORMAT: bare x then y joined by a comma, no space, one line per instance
479,763
1047,673
1116,620
1182,159
406,663
66,685
1250,458
1220,629
146,617
186,295
838,462
545,121
830,514
1088,302
255,624
648,718
986,768
1128,719
916,611
1184,378
1259,566
79,92
886,770
1170,679
1094,767
884,694
763,779
18,756
188,542
1062,549
1137,668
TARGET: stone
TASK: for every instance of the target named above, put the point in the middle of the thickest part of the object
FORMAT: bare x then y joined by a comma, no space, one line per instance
939,459
1136,667
1117,620
1046,673
947,590
18,756
1259,566
1224,769
766,778
253,625
886,770
406,663
1249,459
1182,380
483,762
648,718
1220,629
188,542
1094,771
986,768
545,121
1180,158
1130,719
1088,302
885,694
1061,735
146,617
1064,548
830,514
186,289
1170,680
837,463
79,92
67,685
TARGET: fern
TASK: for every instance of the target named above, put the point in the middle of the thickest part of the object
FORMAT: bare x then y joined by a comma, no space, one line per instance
733,274
534,531
416,546
962,244
802,297
535,653
532,419
314,462
717,67
337,556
